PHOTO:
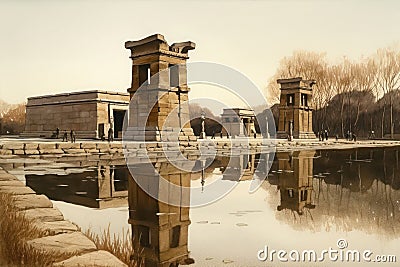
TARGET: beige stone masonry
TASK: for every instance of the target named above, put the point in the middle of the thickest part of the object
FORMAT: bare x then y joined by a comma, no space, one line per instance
98,258
56,227
71,243
43,214
61,236
31,201
16,190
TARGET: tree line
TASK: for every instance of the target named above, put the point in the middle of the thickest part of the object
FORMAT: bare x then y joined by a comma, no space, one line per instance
351,95
359,96
12,121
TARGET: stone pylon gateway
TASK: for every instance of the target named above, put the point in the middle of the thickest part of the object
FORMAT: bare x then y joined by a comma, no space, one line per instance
295,108
159,91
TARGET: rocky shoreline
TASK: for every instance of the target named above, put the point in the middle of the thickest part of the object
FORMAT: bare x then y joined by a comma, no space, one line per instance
59,236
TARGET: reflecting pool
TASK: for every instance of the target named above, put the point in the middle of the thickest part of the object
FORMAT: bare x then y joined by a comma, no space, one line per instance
310,199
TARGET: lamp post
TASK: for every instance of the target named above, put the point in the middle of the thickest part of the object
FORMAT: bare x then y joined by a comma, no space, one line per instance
267,135
203,181
290,138
203,132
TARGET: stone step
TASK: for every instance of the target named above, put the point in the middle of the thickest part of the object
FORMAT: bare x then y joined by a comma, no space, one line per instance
99,258
68,243
10,182
55,228
26,202
16,190
43,214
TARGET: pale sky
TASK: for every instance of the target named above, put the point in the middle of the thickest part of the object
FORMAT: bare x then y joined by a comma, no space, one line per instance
62,46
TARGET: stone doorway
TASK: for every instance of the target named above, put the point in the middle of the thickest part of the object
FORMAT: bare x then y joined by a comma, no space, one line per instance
118,116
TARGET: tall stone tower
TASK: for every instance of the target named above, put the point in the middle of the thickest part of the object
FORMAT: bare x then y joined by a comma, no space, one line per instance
295,108
163,95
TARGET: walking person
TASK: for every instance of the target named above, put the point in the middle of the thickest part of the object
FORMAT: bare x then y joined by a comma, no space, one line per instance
58,133
353,137
73,136
65,136
110,135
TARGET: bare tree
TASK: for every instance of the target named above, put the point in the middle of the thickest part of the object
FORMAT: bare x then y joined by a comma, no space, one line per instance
354,86
364,80
387,61
272,90
341,84
13,121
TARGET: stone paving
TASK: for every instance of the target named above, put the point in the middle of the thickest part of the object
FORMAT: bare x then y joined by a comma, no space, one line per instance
45,147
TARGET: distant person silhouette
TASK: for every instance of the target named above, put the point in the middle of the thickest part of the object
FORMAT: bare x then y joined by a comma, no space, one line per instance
110,135
65,136
353,137
73,136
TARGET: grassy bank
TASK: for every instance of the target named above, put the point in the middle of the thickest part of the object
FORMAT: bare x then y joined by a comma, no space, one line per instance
15,230
120,246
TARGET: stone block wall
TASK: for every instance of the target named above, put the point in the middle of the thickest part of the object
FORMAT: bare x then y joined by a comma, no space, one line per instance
81,112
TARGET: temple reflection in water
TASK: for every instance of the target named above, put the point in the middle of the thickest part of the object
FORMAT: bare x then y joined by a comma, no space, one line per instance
101,186
160,230
295,180
356,189
345,189
240,166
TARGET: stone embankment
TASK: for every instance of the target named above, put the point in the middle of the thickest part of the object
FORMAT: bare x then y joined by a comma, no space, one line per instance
60,236
63,237
21,147
43,148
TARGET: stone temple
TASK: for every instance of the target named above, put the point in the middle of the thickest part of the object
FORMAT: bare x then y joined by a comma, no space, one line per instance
90,114
159,71
238,122
295,108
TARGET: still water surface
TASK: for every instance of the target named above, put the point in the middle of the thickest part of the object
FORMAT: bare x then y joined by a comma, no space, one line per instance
309,200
